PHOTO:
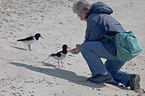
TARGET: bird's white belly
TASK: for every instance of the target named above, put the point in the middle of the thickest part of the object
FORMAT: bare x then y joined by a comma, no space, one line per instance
30,42
60,58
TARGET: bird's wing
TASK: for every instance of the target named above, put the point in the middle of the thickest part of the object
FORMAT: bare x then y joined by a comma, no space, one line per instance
26,39
57,54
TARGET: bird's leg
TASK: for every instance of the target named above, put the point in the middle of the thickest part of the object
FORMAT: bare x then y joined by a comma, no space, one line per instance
61,63
29,47
58,63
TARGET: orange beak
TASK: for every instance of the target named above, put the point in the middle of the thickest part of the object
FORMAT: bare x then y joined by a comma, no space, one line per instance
41,37
69,48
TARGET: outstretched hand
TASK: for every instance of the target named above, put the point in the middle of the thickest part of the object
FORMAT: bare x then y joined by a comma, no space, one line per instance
76,50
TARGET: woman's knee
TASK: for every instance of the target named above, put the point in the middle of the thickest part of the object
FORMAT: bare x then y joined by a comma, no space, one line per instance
83,47
89,45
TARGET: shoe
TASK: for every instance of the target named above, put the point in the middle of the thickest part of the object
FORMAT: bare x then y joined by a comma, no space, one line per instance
134,82
100,78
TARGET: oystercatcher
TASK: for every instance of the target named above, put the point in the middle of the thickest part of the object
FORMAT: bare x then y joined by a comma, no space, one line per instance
61,54
31,39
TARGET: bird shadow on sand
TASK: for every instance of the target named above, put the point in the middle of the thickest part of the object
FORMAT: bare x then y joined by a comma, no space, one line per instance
19,48
48,64
60,73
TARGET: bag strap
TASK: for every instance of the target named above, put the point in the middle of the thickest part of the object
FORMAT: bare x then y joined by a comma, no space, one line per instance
111,35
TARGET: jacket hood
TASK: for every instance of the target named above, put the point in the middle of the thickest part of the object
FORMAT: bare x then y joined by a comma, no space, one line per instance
99,8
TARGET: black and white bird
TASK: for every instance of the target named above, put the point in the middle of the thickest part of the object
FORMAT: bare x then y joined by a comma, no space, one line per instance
61,54
31,39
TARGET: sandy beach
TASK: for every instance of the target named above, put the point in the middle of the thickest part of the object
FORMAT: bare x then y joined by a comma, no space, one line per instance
34,73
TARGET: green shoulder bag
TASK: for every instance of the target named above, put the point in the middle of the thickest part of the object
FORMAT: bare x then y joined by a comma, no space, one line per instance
127,46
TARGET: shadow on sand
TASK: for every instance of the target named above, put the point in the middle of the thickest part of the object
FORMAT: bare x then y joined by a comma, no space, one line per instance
60,73
19,48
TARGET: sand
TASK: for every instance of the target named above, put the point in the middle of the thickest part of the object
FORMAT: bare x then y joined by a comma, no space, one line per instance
34,73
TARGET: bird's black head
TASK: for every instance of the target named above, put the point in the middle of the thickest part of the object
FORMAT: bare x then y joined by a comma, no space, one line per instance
64,46
37,36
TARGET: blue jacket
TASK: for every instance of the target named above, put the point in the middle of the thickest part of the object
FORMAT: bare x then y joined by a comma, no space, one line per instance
100,23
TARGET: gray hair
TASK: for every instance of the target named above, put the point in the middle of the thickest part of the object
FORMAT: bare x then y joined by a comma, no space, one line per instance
80,5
